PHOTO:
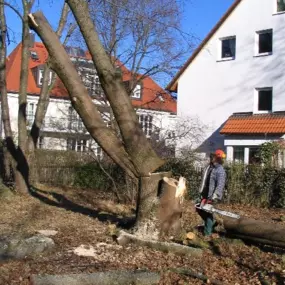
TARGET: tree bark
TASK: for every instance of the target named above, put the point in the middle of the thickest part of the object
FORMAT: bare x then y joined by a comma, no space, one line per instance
126,238
22,171
5,115
136,144
148,198
80,99
102,278
46,87
43,102
256,231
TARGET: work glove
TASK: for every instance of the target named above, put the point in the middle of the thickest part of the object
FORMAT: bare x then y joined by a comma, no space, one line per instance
203,202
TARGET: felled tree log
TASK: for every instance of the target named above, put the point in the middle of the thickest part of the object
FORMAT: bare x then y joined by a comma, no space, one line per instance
126,238
256,231
102,278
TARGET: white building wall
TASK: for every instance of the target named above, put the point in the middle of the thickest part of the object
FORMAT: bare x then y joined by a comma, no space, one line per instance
56,120
213,89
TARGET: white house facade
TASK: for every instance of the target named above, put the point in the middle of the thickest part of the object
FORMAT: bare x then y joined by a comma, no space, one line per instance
62,127
238,68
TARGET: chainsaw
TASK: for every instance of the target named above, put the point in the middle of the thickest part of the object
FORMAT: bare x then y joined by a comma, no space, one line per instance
210,209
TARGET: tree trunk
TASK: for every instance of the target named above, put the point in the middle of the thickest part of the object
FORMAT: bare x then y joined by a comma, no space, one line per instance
148,202
136,144
79,96
10,148
22,170
43,102
159,206
256,231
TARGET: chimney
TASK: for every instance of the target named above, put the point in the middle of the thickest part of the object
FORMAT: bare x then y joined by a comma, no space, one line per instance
32,40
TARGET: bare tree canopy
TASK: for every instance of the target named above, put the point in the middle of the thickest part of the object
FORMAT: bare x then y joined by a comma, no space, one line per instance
144,35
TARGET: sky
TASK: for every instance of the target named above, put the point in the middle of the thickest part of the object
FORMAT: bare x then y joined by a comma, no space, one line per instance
199,17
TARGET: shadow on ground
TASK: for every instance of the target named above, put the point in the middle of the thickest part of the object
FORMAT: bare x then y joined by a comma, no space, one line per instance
61,201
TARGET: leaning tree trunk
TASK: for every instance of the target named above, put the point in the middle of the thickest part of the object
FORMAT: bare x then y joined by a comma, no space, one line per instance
43,102
137,159
136,144
80,99
256,231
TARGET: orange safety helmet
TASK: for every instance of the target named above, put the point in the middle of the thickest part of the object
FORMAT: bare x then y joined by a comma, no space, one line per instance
220,154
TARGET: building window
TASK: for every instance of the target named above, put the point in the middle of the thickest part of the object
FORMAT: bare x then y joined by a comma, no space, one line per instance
137,92
74,51
74,121
238,154
264,100
253,157
146,124
91,82
31,112
280,6
228,48
40,77
264,42
34,55
77,145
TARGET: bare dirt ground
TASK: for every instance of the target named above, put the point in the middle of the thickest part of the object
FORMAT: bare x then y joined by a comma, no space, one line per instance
84,218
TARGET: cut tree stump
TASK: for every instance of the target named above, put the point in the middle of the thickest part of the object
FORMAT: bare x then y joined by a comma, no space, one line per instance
256,231
102,278
193,240
126,238
159,207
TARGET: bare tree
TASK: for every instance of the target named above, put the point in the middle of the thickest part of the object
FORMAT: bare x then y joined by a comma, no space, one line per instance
134,154
23,154
144,35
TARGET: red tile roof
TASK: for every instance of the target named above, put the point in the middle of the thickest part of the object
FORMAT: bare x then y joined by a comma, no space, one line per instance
172,86
151,90
248,123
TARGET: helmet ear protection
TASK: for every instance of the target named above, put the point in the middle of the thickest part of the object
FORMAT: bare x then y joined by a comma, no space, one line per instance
220,154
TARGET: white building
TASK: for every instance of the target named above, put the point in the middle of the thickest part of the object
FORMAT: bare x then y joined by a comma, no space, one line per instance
238,68
62,128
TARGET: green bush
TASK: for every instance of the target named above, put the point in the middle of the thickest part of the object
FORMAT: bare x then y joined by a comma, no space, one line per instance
251,184
91,176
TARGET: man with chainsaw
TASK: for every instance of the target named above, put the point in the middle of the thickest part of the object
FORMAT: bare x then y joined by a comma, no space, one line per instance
212,189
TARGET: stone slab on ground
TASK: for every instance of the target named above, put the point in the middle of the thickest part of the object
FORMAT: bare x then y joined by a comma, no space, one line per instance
20,248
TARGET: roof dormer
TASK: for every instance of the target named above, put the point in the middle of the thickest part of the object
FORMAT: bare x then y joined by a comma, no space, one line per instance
38,73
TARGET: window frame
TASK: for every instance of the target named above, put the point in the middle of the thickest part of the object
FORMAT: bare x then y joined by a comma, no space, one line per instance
257,41
276,12
256,100
220,48
239,150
